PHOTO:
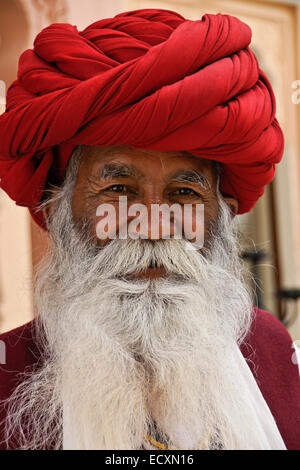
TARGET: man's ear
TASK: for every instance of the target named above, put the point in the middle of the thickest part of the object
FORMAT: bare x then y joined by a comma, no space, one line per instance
233,204
48,209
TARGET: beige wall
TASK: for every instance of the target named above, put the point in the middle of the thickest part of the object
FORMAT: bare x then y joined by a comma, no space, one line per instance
84,13
15,265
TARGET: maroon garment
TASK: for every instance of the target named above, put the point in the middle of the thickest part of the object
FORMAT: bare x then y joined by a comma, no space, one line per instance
268,350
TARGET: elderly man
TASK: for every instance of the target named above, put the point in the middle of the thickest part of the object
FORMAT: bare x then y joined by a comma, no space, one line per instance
144,341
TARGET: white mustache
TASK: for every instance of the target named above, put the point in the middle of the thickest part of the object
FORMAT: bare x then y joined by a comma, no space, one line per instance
120,258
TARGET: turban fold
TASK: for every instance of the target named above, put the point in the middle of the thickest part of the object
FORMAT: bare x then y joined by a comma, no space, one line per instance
148,79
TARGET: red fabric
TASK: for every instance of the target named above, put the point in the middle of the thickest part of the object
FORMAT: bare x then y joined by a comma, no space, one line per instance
148,79
268,350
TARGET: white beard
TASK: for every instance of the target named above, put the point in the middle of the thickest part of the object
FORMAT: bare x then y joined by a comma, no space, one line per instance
120,354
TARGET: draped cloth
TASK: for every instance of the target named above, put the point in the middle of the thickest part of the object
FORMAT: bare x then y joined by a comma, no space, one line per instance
148,79
257,427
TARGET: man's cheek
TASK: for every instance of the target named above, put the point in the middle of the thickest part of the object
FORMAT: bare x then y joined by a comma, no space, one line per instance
194,226
106,222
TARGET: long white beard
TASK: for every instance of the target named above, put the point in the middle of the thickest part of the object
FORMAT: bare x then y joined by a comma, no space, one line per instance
121,354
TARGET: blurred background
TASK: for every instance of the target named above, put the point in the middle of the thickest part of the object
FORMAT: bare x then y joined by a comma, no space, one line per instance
270,233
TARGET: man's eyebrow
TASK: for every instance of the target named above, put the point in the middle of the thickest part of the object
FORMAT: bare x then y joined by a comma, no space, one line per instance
118,170
191,176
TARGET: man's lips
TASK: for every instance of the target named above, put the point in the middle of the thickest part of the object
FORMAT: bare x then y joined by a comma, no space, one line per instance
149,273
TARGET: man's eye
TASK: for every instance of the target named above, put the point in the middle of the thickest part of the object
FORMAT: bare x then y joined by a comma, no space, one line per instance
185,192
117,188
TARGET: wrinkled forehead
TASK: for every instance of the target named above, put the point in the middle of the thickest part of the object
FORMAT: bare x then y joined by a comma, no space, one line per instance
136,162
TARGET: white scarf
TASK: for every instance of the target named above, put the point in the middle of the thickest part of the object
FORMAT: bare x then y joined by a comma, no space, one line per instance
260,429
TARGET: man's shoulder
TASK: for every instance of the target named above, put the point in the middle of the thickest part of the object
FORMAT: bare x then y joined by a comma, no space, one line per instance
269,338
20,330
269,349
20,340
270,354
19,351
266,322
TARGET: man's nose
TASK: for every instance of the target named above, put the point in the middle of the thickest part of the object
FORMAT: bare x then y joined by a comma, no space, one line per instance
157,221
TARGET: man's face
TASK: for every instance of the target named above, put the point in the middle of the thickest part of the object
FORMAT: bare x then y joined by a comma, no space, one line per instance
145,177
131,347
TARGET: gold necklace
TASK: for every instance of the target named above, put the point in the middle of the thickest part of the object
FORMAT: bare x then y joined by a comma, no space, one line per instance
161,446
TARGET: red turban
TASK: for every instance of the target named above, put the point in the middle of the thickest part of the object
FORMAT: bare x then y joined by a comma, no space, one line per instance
149,79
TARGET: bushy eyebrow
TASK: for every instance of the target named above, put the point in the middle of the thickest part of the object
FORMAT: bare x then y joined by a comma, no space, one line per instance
117,170
122,170
191,176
